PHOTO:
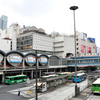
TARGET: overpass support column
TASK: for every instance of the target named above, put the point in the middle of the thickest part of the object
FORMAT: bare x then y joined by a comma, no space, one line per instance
32,74
22,72
54,70
3,76
40,72
60,69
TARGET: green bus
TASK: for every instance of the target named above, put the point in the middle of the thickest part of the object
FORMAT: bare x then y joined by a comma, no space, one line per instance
15,79
96,86
65,73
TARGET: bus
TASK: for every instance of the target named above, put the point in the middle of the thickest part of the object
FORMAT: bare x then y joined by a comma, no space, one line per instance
96,86
15,79
47,73
80,77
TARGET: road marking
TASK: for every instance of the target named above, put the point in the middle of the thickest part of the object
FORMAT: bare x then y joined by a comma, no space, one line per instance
84,93
67,83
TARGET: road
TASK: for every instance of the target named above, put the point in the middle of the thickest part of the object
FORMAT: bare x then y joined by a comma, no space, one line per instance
94,97
10,92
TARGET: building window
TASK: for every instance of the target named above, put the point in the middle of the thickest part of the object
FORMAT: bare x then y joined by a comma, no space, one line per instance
77,48
77,44
76,39
22,38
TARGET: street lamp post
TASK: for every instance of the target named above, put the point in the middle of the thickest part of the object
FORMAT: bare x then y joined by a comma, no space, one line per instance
36,74
76,89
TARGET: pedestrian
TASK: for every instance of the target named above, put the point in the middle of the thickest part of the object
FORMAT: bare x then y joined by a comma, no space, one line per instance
18,92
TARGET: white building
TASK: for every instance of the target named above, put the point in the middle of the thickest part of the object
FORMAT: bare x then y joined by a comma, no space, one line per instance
98,50
31,39
65,44
5,44
11,33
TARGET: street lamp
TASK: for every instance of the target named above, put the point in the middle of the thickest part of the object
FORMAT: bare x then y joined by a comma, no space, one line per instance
76,89
36,75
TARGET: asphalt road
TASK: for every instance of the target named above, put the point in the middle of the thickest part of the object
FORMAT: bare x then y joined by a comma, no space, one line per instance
9,92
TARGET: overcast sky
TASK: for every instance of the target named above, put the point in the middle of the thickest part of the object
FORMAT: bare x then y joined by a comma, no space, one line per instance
55,15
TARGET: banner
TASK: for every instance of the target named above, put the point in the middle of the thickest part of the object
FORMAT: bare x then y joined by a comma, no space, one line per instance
89,49
83,48
15,59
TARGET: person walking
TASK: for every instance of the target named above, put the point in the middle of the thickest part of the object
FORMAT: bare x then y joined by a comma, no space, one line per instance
18,92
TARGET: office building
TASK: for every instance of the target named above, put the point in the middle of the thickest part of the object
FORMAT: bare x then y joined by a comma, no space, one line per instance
3,22
31,39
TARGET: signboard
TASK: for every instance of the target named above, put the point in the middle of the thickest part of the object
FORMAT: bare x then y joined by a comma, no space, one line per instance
15,59
91,40
31,60
83,48
43,60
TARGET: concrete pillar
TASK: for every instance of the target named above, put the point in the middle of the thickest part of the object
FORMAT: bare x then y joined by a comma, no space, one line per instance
4,63
40,72
3,77
22,72
48,63
37,63
32,74
54,70
23,63
60,70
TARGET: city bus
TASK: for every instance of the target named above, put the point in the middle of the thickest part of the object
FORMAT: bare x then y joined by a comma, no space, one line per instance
80,77
47,73
96,86
15,79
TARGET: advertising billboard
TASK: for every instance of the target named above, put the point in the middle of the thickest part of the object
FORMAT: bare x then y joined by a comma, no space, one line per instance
31,59
89,49
83,48
91,40
15,59
43,60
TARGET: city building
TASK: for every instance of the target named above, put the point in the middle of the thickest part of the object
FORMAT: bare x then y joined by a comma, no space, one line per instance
3,22
98,50
11,33
31,39
5,44
64,45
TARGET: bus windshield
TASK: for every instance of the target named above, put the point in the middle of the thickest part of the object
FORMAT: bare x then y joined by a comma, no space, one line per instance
96,85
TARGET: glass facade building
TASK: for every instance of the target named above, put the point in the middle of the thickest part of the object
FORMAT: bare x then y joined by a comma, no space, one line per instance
3,22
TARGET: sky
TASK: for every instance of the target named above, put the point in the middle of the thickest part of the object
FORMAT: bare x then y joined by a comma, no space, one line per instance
55,15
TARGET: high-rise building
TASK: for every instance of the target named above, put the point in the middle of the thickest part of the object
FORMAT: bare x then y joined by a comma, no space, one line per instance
3,22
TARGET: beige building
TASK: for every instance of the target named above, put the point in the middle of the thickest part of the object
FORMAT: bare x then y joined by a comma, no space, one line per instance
65,44
31,39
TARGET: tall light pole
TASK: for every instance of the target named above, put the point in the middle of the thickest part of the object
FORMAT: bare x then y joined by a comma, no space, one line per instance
76,89
36,75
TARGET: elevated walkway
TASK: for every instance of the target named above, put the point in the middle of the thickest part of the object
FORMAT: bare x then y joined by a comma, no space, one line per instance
84,61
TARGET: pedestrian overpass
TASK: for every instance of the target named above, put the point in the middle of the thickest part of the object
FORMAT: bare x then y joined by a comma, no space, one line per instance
84,61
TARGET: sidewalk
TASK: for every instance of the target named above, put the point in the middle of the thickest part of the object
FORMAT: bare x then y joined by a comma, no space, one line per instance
83,95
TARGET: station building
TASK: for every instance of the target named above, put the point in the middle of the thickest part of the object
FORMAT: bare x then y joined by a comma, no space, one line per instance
15,63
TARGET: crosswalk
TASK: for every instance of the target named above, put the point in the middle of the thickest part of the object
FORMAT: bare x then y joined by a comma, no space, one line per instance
23,91
58,94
